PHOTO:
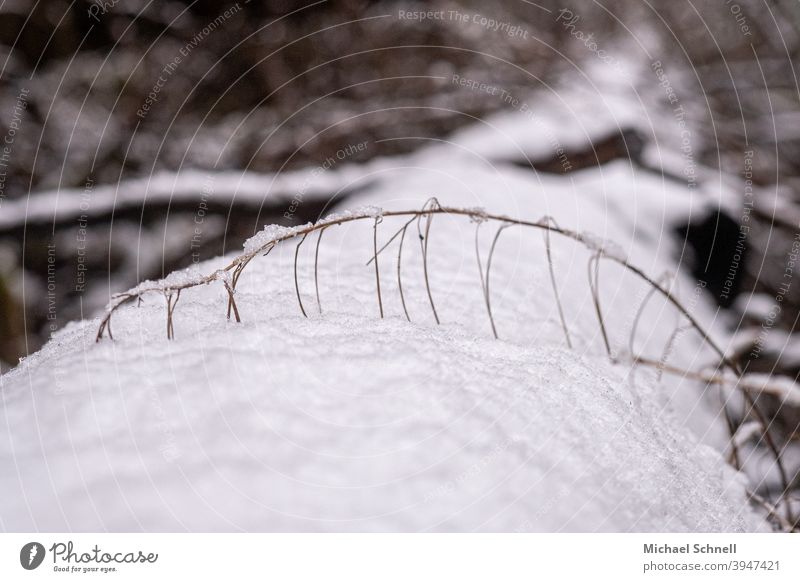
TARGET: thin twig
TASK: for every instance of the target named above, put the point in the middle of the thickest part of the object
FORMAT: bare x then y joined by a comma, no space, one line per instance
423,241
546,235
487,291
232,302
734,457
651,291
296,283
316,266
399,264
378,220
231,289
594,284
772,511
119,299
391,239
170,310
237,272
481,274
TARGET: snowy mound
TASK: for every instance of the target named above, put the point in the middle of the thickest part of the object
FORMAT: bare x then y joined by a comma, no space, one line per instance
349,423
346,421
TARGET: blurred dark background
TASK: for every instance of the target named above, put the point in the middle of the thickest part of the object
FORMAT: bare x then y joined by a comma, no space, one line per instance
279,85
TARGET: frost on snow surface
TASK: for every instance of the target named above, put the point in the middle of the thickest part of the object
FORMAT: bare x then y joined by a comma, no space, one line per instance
343,421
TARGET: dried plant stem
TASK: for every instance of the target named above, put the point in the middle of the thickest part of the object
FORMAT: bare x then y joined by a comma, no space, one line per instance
400,231
399,266
237,272
426,212
481,273
561,317
651,291
767,438
316,269
232,303
773,512
121,298
594,284
231,289
378,220
733,458
486,288
423,241
706,377
105,325
172,301
296,283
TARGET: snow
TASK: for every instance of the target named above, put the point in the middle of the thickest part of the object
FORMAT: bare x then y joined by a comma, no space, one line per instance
776,343
784,388
348,422
274,233
187,185
606,247
344,421
270,234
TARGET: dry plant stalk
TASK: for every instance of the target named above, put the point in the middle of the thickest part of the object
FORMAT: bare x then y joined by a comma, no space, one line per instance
551,269
230,275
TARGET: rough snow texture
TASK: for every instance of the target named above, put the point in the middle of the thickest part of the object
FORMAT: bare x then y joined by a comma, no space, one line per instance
347,423
343,421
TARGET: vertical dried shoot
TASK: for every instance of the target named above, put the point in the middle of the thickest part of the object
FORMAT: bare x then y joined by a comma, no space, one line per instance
296,283
546,235
378,220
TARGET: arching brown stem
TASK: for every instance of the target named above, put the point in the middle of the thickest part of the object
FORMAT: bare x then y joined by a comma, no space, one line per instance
378,220
296,283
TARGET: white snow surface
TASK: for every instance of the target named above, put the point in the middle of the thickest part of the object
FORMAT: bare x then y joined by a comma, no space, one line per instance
346,422
343,421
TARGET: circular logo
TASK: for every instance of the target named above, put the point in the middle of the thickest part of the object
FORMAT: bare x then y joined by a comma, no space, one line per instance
31,555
